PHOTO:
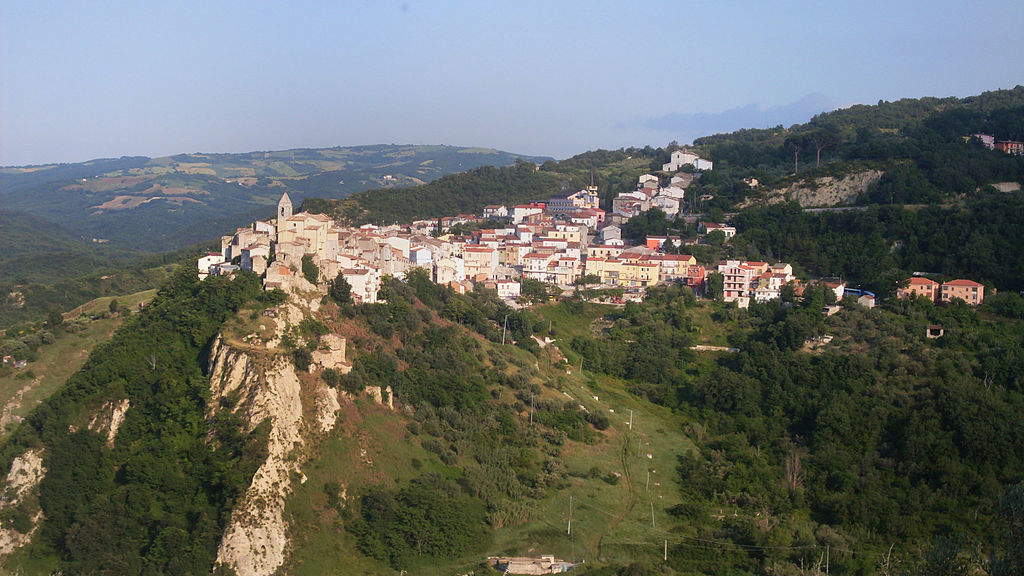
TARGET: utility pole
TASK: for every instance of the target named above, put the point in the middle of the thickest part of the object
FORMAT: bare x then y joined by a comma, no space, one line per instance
531,409
504,328
665,555
630,418
648,484
568,530
652,514
826,558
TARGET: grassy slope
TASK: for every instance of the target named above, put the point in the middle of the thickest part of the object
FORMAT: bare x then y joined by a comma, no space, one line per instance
57,361
613,521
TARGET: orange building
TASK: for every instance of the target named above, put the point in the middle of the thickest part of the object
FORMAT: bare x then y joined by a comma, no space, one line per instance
918,286
967,290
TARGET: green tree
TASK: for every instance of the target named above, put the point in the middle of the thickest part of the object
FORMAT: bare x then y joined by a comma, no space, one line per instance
822,139
536,291
310,270
340,290
54,319
715,285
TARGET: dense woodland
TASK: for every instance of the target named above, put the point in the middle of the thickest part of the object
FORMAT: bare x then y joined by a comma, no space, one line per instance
980,238
30,301
885,439
156,503
612,171
919,143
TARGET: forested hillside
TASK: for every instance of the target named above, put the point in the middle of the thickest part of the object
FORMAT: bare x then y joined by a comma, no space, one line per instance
887,452
36,288
38,250
485,442
612,171
157,502
980,238
918,142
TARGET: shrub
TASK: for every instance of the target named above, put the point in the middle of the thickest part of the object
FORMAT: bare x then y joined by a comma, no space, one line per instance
331,377
310,270
302,358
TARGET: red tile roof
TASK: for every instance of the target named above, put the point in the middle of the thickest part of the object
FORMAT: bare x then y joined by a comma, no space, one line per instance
962,282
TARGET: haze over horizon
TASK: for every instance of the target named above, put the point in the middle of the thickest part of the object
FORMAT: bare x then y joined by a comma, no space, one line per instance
82,82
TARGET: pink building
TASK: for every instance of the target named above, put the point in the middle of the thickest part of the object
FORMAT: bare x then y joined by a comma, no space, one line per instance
967,290
918,286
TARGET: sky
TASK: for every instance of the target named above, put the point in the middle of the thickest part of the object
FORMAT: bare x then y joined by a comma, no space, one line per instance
82,80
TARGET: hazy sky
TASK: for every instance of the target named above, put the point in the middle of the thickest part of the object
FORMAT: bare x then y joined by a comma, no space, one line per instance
81,80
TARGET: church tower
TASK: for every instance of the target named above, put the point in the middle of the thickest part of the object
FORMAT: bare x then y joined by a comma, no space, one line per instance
284,209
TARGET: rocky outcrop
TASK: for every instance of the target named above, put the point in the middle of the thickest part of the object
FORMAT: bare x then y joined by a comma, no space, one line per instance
264,386
331,354
26,473
1007,186
820,192
108,420
383,396
255,540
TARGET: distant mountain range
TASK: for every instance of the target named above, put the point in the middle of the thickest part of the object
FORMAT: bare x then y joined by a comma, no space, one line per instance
158,204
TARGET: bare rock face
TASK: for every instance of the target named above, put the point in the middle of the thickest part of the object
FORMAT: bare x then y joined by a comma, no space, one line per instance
332,354
26,473
266,387
255,541
1007,186
821,192
384,397
109,419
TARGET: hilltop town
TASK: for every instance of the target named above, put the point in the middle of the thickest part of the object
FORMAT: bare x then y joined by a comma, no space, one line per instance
566,242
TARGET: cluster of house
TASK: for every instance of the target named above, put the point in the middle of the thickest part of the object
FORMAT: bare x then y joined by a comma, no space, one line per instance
558,242
969,291
537,242
650,193
743,282
746,282
1012,147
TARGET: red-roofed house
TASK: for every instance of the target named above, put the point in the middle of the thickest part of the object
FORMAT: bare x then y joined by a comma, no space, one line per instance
967,290
920,286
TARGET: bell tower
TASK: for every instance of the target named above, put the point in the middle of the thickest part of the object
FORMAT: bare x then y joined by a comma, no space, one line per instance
284,208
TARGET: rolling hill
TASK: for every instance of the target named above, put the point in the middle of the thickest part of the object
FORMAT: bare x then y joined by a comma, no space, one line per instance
159,204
